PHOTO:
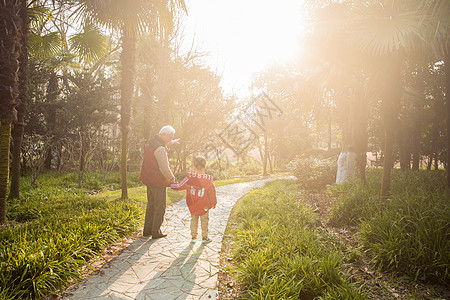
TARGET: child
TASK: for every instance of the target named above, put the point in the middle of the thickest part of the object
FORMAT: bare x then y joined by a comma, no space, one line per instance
200,197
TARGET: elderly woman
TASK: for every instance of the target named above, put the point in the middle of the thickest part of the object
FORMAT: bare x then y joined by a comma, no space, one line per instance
156,175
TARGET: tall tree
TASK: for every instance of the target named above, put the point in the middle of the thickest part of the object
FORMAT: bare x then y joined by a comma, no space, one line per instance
132,19
388,30
18,129
47,39
343,73
10,37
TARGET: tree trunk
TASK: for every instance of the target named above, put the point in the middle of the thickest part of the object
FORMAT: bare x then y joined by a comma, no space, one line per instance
10,34
270,163
52,95
60,157
388,163
128,71
265,154
416,134
82,160
5,135
163,100
218,156
405,155
360,135
435,139
390,110
17,132
329,130
447,91
17,137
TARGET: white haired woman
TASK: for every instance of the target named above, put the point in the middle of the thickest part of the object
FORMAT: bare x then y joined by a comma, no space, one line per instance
156,175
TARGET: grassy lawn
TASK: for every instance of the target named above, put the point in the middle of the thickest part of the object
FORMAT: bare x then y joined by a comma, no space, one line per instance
283,242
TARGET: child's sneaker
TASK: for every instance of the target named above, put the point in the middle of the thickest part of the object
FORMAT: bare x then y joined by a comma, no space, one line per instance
206,240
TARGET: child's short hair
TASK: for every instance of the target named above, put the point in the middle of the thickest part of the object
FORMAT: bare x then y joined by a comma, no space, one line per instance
199,162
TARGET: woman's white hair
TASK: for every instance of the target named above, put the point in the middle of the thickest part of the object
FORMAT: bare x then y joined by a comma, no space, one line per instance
166,130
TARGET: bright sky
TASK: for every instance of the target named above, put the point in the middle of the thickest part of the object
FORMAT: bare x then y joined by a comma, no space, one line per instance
244,36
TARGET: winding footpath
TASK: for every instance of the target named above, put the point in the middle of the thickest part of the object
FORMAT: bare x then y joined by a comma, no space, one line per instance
171,267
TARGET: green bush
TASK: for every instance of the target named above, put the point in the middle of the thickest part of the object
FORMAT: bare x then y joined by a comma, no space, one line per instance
356,201
251,167
56,228
314,172
411,235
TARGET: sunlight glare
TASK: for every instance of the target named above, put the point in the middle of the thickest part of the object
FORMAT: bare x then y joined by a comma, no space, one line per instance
244,37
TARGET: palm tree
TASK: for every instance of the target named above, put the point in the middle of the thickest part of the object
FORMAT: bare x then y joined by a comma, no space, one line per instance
388,30
132,19
341,70
10,33
89,45
18,129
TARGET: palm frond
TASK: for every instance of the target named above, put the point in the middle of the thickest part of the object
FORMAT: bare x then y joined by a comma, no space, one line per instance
39,16
90,45
45,46
135,16
436,18
380,31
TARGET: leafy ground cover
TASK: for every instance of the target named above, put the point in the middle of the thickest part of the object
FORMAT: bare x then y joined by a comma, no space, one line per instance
278,251
283,242
55,230
58,232
410,236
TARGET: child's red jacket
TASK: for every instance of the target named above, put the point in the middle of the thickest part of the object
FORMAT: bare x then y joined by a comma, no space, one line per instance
200,192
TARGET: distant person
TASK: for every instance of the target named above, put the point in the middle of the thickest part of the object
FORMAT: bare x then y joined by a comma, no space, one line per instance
200,197
156,175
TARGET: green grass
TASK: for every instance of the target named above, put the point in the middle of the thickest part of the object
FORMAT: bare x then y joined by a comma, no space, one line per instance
56,237
235,180
411,235
56,228
281,253
92,181
139,194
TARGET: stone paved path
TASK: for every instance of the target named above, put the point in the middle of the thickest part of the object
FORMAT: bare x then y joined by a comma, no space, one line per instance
172,267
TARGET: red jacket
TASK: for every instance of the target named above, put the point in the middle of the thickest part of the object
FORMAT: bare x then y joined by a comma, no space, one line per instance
150,173
200,192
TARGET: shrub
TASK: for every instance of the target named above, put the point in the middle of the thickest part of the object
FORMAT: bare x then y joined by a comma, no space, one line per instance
356,201
412,234
251,167
314,173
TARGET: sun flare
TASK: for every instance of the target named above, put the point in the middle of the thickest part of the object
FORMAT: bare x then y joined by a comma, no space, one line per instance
244,37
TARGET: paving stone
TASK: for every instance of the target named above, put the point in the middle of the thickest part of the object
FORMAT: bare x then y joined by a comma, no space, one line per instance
168,268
